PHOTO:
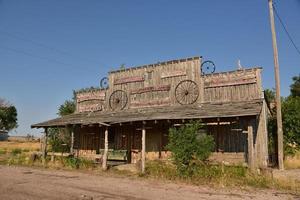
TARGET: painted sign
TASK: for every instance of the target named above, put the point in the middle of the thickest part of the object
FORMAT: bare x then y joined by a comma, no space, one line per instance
131,79
228,81
169,74
90,95
89,107
138,104
151,89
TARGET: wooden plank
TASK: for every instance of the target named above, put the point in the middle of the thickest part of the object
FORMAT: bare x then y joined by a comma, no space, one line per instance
162,102
130,79
72,142
143,148
104,158
222,83
91,95
250,148
45,144
89,107
169,74
151,89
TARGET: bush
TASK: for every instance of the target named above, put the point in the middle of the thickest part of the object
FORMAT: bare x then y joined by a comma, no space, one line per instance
59,139
188,145
16,151
77,163
2,151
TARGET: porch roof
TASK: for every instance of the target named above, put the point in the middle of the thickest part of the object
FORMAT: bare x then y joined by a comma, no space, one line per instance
203,111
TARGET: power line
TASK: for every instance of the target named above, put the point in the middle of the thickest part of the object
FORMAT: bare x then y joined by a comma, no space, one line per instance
35,56
15,36
286,31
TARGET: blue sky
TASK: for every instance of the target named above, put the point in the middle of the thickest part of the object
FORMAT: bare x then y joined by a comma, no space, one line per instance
49,48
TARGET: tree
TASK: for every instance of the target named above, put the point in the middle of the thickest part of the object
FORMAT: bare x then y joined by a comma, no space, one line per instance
290,119
295,87
60,139
291,123
270,95
188,144
8,115
68,107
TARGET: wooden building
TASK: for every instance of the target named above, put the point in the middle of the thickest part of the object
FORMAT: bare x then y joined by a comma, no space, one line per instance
140,104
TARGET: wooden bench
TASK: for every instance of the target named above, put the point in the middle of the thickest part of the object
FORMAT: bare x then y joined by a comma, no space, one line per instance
116,155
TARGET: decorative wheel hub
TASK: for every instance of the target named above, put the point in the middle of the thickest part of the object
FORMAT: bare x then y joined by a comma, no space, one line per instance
186,92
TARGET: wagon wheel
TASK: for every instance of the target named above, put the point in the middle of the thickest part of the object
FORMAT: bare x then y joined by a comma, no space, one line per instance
104,83
118,100
208,67
186,92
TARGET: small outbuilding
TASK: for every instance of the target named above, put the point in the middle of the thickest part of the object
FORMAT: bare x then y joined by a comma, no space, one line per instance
3,135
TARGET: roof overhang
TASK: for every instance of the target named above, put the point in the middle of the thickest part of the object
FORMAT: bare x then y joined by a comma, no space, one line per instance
203,111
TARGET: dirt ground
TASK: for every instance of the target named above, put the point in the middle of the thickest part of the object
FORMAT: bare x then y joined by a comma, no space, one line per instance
31,183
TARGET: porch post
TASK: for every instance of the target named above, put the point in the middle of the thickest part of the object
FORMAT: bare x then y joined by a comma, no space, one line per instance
143,148
72,141
104,159
250,148
44,153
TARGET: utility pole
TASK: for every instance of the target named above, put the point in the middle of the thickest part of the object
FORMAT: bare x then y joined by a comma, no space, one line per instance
277,82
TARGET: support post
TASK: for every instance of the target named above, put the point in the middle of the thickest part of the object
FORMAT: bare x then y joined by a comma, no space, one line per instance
143,148
104,159
277,82
45,143
72,141
250,148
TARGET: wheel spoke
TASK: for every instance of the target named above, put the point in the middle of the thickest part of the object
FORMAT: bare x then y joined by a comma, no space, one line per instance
186,92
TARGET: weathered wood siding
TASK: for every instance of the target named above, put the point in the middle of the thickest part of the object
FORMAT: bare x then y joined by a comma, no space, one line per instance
154,85
227,138
145,86
240,85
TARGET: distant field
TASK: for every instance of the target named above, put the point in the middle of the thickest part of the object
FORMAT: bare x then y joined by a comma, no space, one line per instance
29,146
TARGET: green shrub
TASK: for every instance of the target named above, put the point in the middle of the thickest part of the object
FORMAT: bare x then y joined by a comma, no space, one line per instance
188,145
16,151
2,151
59,139
77,163
17,159
25,150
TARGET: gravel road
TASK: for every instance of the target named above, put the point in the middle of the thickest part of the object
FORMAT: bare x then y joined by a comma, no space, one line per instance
35,184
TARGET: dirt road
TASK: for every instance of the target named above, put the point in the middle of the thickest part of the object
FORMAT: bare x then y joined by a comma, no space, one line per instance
30,184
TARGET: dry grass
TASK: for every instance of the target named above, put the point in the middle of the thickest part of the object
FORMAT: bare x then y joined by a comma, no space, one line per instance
292,162
27,146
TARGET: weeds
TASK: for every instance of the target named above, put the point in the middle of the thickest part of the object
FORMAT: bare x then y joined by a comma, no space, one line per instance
2,151
16,151
77,163
215,175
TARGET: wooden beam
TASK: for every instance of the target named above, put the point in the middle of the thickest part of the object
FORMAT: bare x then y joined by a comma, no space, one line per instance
250,148
72,141
143,148
45,143
104,158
